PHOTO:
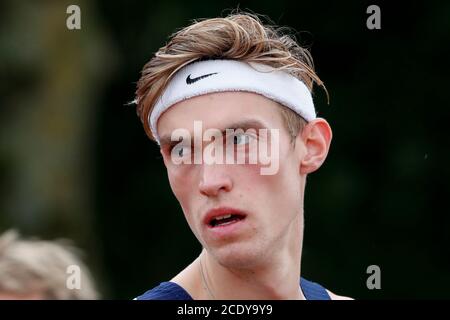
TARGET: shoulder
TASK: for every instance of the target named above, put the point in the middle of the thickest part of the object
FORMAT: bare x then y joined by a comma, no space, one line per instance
165,291
315,291
334,296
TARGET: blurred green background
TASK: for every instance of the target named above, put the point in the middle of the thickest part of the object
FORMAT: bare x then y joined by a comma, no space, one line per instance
75,161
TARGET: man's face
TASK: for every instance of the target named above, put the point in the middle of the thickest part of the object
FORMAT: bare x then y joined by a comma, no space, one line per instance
266,209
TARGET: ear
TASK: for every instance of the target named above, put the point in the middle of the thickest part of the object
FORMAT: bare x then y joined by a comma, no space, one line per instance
316,137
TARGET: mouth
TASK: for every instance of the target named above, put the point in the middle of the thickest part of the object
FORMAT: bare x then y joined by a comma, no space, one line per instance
222,217
225,220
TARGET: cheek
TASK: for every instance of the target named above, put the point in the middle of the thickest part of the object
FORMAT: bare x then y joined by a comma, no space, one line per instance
182,192
285,176
272,193
181,183
184,184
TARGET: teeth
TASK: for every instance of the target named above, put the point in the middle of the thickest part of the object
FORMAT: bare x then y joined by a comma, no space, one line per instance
225,223
223,217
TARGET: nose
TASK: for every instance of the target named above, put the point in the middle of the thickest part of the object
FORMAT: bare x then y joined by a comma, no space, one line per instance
214,179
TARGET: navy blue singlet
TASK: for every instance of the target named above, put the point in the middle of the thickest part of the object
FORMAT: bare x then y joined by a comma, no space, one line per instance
172,291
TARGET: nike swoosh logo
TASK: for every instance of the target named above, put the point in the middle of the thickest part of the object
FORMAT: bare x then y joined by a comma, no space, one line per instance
190,80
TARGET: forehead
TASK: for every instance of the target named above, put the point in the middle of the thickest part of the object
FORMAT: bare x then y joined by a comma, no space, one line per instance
221,110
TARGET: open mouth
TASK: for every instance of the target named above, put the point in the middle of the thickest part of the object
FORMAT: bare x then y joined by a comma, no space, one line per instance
226,219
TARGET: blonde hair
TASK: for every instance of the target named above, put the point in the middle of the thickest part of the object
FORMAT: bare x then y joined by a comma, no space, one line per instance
239,36
30,266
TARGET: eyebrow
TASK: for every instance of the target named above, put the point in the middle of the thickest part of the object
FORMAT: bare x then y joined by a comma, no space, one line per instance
245,124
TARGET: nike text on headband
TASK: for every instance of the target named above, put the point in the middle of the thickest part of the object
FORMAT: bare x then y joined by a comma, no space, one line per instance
210,76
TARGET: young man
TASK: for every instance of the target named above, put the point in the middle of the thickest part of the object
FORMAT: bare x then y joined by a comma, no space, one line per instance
229,102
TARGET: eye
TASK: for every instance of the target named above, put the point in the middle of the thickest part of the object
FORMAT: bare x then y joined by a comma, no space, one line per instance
241,139
180,151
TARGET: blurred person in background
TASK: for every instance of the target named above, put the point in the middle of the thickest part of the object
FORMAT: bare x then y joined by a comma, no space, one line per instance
32,269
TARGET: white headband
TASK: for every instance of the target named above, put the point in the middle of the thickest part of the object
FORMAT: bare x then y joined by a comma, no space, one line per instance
210,76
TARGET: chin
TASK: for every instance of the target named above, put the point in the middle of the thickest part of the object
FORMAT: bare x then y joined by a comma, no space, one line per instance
237,256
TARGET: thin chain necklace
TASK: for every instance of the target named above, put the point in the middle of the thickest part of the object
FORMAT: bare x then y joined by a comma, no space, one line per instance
211,295
205,284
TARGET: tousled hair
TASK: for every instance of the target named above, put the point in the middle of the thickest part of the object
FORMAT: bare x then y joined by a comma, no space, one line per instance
238,36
